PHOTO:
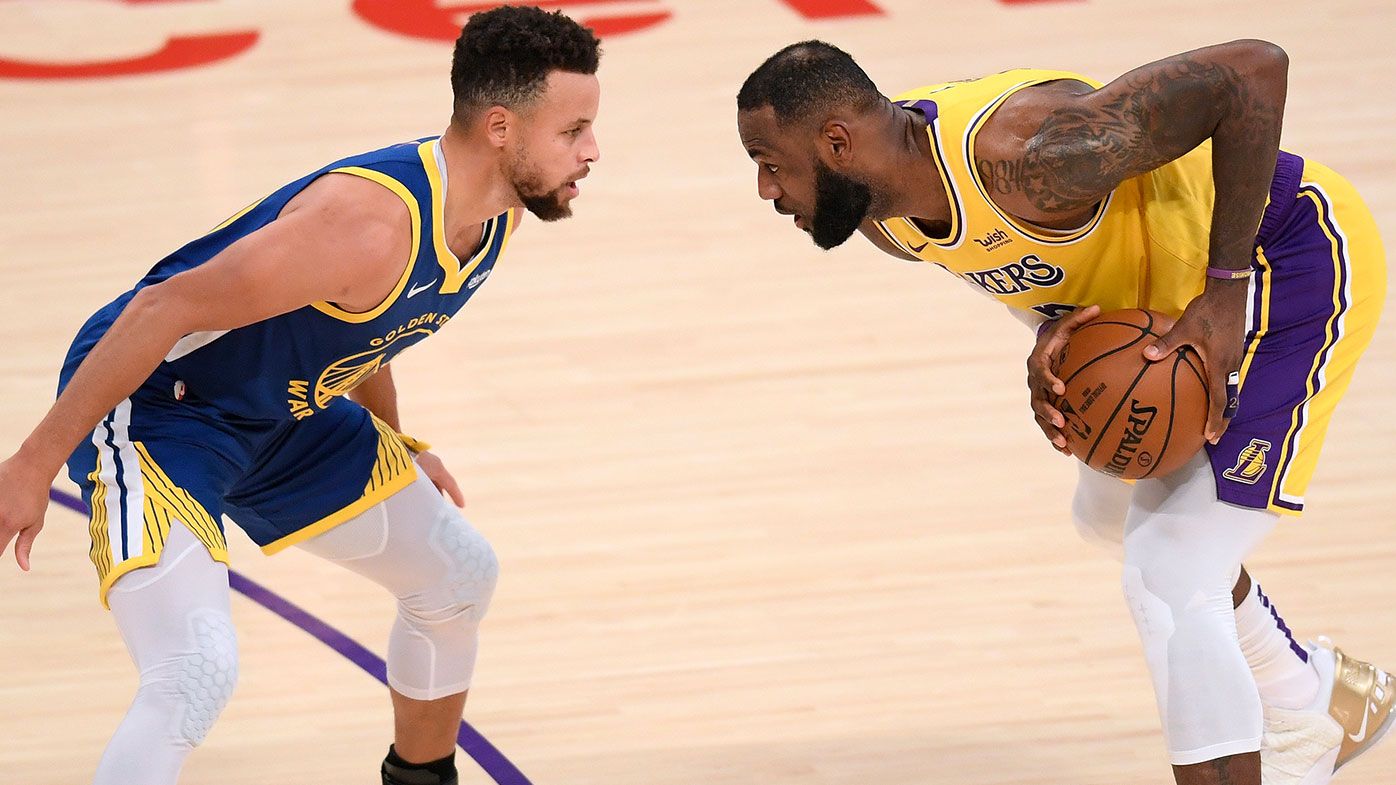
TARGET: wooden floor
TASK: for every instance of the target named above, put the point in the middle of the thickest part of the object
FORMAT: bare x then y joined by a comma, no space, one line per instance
766,515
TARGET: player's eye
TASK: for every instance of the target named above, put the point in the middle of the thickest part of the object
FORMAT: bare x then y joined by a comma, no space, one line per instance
772,168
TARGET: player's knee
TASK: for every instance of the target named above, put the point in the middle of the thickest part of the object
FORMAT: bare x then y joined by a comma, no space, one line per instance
1151,614
1181,573
467,582
201,680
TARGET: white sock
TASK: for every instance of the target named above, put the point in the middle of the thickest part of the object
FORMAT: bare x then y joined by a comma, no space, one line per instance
1283,674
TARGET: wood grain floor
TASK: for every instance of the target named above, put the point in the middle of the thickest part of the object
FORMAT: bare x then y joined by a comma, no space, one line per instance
765,514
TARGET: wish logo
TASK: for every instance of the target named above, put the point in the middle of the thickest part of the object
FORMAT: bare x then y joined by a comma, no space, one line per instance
993,240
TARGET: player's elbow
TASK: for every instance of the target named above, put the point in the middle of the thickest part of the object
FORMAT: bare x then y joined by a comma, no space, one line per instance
1261,59
157,310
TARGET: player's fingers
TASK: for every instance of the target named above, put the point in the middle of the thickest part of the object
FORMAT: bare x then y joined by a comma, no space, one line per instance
1048,412
1216,406
452,489
1166,344
1233,397
1041,380
442,478
1220,431
1079,317
1053,434
1042,358
1065,326
24,544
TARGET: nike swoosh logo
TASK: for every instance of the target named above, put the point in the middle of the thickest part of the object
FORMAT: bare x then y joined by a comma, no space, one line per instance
416,290
917,248
1362,731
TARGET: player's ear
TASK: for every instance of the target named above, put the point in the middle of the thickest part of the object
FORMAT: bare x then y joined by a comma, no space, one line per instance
497,122
837,140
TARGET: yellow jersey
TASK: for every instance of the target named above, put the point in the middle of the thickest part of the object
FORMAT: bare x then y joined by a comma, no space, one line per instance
1146,246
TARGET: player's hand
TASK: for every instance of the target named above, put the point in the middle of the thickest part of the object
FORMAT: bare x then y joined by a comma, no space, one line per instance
1214,325
23,499
440,477
1043,384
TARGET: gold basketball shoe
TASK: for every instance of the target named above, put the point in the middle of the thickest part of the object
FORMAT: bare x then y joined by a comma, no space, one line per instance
1305,747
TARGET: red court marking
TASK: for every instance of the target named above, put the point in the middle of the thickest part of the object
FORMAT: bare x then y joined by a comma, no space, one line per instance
183,51
834,9
178,52
442,21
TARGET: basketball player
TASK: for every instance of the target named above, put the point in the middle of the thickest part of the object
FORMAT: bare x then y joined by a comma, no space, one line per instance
217,385
1164,189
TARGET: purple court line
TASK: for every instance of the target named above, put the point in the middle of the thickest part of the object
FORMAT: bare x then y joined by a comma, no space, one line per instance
475,745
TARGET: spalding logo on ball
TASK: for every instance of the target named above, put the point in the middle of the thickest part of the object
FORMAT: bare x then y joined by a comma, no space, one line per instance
1126,416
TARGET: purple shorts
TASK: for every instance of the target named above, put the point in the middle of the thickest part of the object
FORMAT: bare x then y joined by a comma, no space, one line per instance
1315,298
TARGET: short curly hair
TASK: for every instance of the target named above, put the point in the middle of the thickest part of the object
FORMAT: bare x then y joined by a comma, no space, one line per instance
504,55
807,80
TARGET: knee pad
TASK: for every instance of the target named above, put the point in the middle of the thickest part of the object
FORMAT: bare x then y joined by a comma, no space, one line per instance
467,582
431,653
201,679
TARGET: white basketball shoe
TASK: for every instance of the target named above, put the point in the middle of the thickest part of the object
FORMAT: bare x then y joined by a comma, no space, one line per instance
1353,711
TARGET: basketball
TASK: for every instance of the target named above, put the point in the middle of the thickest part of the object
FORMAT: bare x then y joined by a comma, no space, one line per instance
1126,416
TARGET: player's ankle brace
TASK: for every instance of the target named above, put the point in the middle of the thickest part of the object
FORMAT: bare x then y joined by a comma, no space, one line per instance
397,771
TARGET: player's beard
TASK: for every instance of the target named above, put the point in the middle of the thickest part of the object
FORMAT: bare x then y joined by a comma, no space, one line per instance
548,205
841,204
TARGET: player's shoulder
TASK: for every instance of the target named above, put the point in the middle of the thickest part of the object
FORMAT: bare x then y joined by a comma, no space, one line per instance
347,196
1020,115
983,89
353,210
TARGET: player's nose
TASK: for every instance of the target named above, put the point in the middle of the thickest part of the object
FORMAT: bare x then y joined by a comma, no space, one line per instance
766,185
591,150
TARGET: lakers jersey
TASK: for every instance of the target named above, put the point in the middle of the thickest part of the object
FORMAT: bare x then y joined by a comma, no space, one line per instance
296,364
1145,246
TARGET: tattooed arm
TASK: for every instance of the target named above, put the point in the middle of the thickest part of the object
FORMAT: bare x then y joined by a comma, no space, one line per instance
1058,150
1050,154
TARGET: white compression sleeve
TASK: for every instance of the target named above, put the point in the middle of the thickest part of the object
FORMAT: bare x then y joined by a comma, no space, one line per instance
1099,508
1182,551
174,618
443,573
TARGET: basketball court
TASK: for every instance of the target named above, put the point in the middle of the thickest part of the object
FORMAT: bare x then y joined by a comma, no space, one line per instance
765,514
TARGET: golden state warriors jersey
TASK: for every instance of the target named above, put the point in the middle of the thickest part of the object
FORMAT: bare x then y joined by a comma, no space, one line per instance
1145,245
296,364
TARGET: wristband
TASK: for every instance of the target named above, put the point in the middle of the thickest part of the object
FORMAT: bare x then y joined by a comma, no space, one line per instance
1229,275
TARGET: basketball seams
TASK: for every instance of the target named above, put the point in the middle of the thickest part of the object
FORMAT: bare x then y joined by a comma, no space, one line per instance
1155,385
1105,427
1145,330
1187,355
1143,333
1172,413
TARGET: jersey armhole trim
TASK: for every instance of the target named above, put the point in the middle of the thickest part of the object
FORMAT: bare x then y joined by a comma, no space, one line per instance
1025,228
414,212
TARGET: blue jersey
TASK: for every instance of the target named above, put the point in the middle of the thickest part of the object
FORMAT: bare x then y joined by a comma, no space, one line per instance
294,365
251,423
